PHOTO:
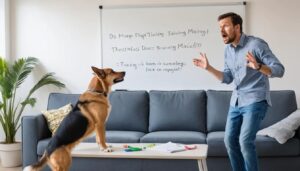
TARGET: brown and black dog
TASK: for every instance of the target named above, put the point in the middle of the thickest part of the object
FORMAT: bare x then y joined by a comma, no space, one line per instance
89,115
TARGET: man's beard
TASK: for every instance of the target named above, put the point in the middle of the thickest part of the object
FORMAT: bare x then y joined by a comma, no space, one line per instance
230,39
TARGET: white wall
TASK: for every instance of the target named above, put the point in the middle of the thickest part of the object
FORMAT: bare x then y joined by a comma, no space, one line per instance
4,28
65,36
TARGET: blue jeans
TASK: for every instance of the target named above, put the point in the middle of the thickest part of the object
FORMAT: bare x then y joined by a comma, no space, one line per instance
240,133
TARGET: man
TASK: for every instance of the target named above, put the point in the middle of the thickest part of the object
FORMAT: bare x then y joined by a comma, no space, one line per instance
248,63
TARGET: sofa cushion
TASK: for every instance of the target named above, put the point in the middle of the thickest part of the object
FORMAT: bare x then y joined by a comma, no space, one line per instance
215,142
284,129
123,136
55,116
185,137
283,104
183,110
217,109
57,100
119,137
41,146
126,105
129,111
265,146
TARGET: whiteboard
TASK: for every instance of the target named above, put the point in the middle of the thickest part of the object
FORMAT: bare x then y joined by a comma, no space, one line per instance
156,45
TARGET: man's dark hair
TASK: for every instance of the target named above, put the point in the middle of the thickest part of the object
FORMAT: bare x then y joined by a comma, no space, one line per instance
235,18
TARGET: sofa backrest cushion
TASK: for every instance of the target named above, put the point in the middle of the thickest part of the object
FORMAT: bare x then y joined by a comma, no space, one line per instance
283,104
57,100
129,111
183,110
217,109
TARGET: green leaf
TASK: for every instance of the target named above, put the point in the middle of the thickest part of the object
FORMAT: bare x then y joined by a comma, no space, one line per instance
21,69
4,85
47,79
3,67
30,101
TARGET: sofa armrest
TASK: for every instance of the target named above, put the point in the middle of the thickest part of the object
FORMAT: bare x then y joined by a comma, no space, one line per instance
34,128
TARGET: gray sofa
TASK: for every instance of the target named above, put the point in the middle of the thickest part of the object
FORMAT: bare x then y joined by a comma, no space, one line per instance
186,116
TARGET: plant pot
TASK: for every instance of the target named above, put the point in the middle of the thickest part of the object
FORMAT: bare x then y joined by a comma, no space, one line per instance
10,154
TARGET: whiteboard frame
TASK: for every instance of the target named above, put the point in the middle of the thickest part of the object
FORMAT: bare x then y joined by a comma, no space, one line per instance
174,5
165,5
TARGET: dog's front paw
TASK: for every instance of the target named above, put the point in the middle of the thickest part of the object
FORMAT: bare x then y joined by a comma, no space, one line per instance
107,150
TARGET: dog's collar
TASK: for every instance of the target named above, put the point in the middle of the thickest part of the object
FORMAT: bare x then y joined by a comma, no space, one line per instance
98,92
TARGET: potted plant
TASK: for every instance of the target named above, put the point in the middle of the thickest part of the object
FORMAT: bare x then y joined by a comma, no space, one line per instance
12,75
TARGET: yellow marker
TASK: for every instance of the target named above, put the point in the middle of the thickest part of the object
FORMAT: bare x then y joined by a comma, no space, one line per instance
149,146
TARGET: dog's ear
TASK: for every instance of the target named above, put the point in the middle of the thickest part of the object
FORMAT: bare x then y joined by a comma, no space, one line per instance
99,72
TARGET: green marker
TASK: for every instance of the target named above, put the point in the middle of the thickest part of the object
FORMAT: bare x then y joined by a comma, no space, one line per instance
135,148
130,149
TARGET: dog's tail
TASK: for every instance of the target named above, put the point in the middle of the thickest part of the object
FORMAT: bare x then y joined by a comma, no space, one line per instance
39,165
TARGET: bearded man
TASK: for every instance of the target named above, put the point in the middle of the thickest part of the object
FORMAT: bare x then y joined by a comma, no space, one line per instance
249,63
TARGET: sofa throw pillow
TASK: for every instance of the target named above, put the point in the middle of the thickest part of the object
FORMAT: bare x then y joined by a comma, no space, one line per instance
55,116
284,129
